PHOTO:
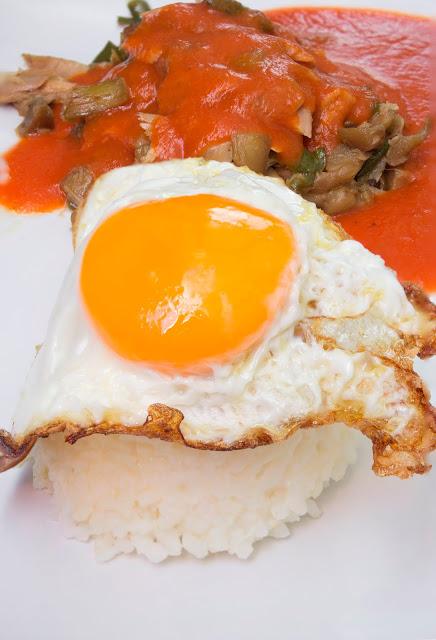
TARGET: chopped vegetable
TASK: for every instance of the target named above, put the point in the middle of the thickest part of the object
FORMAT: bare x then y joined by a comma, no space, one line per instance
110,53
311,163
365,137
396,178
385,115
39,117
399,147
343,198
95,98
372,162
341,167
136,8
369,135
342,157
366,194
76,185
373,178
232,7
263,22
142,148
335,201
251,150
220,152
299,182
397,125
146,121
302,122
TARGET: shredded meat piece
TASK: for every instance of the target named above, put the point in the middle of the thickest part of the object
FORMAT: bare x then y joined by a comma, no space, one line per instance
365,137
366,194
396,127
60,67
401,146
387,115
251,150
335,200
342,166
54,90
46,77
370,135
76,185
343,198
219,152
397,178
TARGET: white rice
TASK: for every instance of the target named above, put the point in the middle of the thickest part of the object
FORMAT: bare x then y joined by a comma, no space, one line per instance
135,495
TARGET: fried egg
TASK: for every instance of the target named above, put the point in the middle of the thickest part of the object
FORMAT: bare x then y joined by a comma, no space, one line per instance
211,306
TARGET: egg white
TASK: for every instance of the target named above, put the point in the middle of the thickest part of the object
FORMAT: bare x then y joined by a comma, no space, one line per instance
77,377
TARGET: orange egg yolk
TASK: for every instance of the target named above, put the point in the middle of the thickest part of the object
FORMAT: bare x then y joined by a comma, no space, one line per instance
183,283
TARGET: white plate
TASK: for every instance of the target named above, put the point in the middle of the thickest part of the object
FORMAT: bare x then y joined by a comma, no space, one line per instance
365,570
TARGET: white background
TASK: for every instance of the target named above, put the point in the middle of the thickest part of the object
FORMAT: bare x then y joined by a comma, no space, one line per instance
366,570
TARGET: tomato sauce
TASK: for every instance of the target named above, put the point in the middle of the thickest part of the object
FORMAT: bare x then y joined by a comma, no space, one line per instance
208,75
395,51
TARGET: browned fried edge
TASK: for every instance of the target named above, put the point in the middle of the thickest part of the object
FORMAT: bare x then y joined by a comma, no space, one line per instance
162,422
427,310
402,456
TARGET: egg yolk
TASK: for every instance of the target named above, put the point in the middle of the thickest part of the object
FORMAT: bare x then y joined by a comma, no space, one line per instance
186,282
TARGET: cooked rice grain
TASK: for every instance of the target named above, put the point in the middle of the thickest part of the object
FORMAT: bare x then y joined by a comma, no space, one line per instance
131,494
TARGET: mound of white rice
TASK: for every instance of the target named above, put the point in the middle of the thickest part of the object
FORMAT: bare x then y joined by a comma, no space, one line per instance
131,494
